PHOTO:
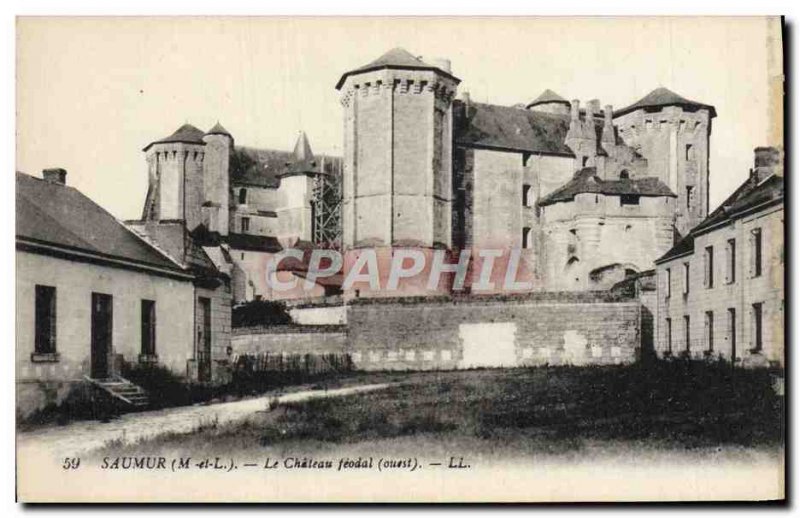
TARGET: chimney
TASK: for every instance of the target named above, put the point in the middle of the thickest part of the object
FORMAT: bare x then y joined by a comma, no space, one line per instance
575,107
767,161
608,112
592,107
55,175
608,125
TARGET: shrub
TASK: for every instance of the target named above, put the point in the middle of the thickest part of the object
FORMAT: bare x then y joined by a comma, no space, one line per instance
260,313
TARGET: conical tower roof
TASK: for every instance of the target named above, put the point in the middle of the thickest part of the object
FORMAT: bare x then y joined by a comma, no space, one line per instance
546,97
661,97
396,58
218,129
303,159
186,134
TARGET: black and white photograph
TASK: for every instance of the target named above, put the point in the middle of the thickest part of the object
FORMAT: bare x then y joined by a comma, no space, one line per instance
387,259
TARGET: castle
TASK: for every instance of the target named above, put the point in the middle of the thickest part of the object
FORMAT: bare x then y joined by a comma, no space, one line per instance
590,196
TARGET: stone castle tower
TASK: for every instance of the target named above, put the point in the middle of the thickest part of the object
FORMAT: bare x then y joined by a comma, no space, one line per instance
297,182
397,152
216,188
175,171
673,133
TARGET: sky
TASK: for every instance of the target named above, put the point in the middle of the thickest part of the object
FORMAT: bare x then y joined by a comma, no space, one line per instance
92,92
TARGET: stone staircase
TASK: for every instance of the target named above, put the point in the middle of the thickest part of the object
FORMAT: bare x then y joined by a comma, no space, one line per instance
122,390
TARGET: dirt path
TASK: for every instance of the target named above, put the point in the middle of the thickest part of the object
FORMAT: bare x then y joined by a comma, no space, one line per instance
84,436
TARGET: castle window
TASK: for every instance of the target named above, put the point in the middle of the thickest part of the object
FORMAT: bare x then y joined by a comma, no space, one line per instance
689,152
526,237
148,328
732,331
757,319
709,277
731,262
685,278
526,195
669,282
689,196
709,331
584,161
648,124
669,335
629,199
245,224
45,320
687,332
243,196
624,175
755,252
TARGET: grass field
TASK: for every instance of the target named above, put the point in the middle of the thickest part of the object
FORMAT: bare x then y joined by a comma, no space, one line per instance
555,410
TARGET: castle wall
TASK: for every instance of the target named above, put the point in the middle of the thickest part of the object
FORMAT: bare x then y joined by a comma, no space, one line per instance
675,143
260,203
447,335
215,178
178,168
398,159
596,231
497,219
431,334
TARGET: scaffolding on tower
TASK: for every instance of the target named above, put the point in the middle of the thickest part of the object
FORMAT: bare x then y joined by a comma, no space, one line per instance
326,205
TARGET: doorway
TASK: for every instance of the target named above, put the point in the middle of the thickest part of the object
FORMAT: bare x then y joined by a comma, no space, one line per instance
102,328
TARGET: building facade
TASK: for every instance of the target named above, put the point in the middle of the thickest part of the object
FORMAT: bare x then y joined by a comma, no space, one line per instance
91,294
721,288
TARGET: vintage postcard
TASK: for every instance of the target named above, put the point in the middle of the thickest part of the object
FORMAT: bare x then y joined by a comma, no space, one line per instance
451,259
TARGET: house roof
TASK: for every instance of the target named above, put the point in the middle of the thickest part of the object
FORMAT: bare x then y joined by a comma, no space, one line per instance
507,128
54,214
748,196
186,134
303,160
396,58
661,97
546,97
587,181
218,129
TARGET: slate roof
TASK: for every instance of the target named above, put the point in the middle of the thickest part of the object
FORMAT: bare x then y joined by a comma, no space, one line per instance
546,97
661,97
303,160
746,197
507,128
59,215
218,129
397,58
187,134
269,165
587,181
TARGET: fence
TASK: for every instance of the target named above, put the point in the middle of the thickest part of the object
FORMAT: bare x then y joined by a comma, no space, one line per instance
254,372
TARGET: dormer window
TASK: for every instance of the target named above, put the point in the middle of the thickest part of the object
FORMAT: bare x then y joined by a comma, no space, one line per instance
624,175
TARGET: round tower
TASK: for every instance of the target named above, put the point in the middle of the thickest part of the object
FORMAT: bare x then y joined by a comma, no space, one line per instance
397,153
175,169
216,194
